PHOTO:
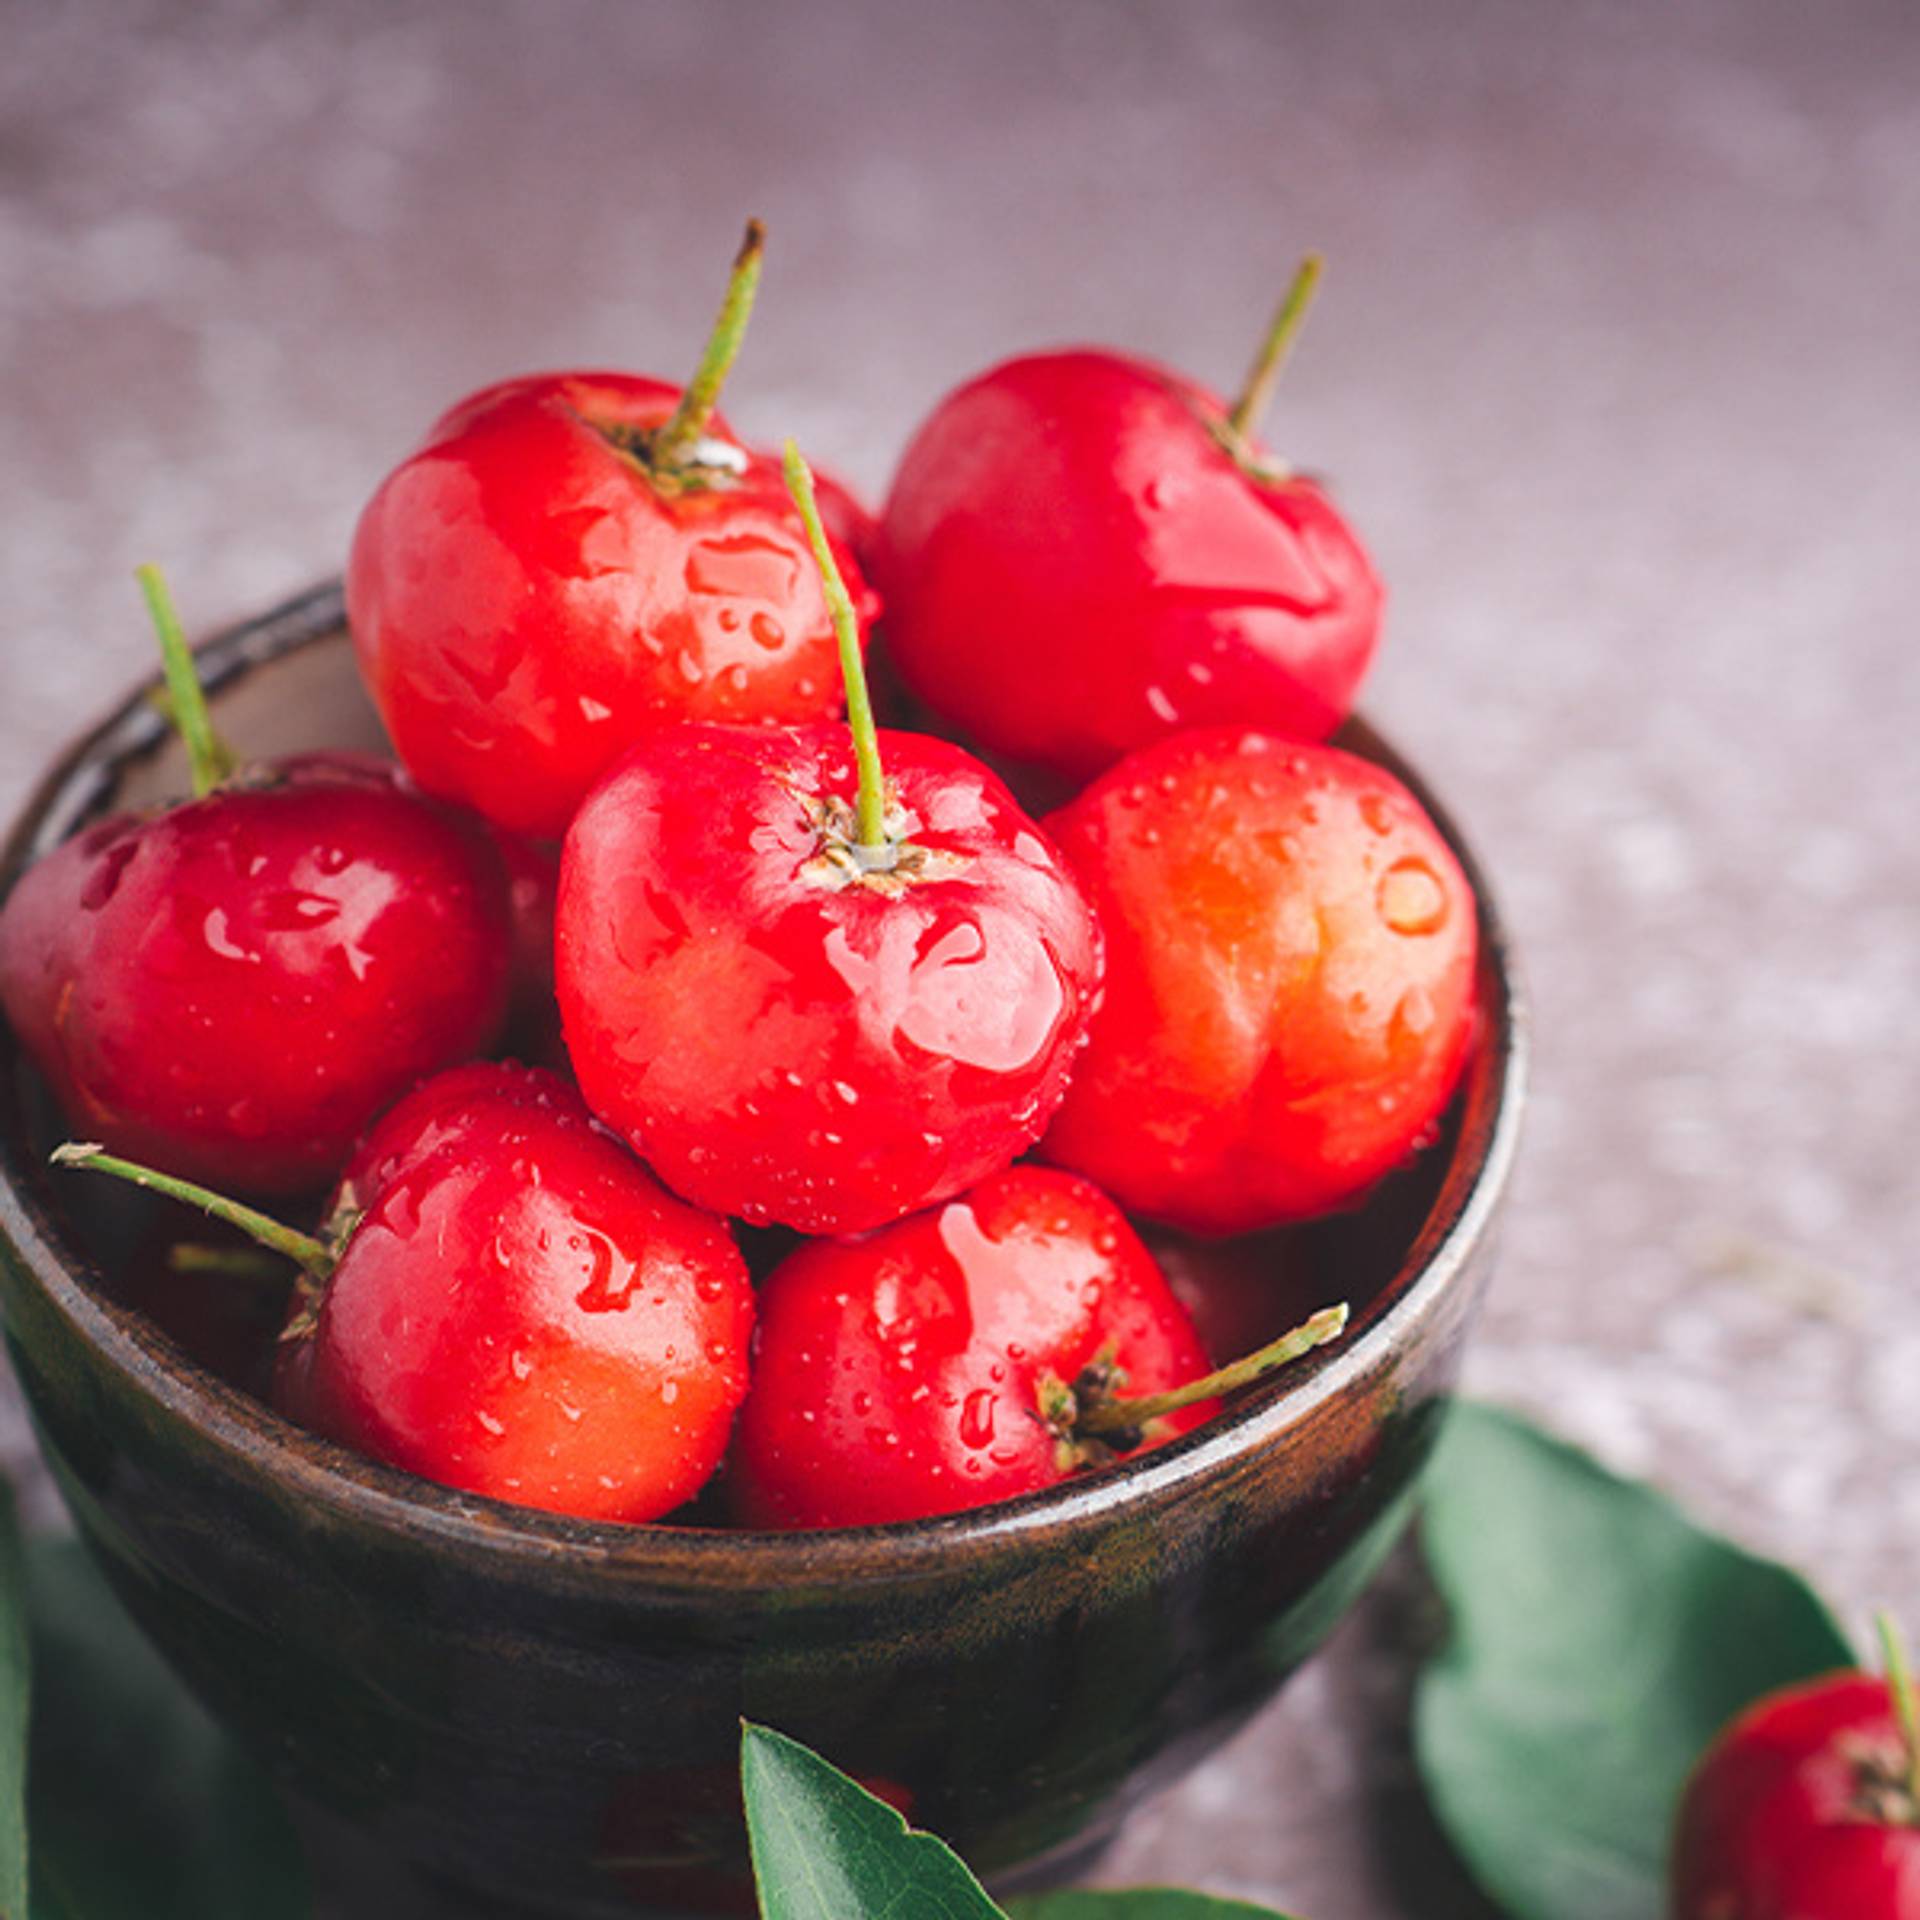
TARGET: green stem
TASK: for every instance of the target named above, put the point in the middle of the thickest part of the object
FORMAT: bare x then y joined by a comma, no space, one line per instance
678,438
1906,1700
312,1255
1122,1415
207,754
1257,394
870,808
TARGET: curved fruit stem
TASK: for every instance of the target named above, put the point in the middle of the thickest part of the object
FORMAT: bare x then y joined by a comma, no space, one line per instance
1906,1701
207,754
1097,1413
1257,394
312,1256
870,808
678,438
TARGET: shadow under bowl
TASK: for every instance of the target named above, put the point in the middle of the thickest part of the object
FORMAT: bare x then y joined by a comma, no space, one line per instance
548,1709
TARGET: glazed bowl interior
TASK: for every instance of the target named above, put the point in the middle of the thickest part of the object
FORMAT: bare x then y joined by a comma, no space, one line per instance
165,1462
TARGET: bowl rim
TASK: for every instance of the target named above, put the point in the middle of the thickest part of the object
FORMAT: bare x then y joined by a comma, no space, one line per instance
259,1441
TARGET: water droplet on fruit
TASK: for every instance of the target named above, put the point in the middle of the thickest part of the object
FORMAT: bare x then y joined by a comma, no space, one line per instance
689,668
521,1365
594,711
850,1095
669,1391
1411,898
488,1423
1415,1011
1161,707
976,1418
729,619
1199,673
710,1286
1376,813
863,1403
767,631
719,1352
737,678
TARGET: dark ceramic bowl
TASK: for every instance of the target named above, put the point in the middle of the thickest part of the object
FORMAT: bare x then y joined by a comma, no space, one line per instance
548,1709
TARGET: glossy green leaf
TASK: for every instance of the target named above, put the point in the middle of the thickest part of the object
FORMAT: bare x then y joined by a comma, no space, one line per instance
826,1849
1135,1903
1599,1641
139,1807
14,1673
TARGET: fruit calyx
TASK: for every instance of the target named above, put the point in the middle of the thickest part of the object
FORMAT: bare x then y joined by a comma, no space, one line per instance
314,1255
209,757
1886,1785
1094,1421
1235,431
865,843
680,456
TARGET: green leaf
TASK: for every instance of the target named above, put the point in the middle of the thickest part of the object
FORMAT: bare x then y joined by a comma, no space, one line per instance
1600,1640
14,1676
1135,1903
826,1849
140,1807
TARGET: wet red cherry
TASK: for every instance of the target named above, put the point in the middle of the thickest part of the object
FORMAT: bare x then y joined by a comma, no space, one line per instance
1290,974
807,997
568,559
1082,553
507,1302
233,987
902,1374
1806,1808
977,1351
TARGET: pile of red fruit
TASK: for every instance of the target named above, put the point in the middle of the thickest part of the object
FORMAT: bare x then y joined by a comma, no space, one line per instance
832,982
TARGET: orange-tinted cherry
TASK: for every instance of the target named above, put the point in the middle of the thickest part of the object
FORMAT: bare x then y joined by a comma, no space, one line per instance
1082,553
570,558
810,993
505,1301
1808,1806
980,1350
231,988
1290,976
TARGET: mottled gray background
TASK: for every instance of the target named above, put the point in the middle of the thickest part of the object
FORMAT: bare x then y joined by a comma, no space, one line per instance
1618,367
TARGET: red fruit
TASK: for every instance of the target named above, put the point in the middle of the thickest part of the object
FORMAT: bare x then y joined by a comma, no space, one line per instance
1290,972
1806,1808
543,581
806,998
520,1310
906,1374
232,988
1080,555
785,1037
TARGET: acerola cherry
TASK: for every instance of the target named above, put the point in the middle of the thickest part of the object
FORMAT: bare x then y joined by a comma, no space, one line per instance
1290,979
809,995
972,1353
1808,1806
570,558
505,1301
231,988
1083,553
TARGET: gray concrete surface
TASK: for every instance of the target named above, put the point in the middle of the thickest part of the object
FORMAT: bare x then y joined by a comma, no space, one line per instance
1616,365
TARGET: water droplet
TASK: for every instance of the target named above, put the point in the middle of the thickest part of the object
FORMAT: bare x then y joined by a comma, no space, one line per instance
489,1423
521,1365
729,619
767,631
594,711
669,1391
863,1403
1411,898
689,668
1376,813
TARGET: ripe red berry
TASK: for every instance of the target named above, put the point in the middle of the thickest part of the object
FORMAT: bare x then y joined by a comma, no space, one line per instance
799,1011
907,1373
233,987
1806,1808
507,1302
1290,974
1082,553
567,560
